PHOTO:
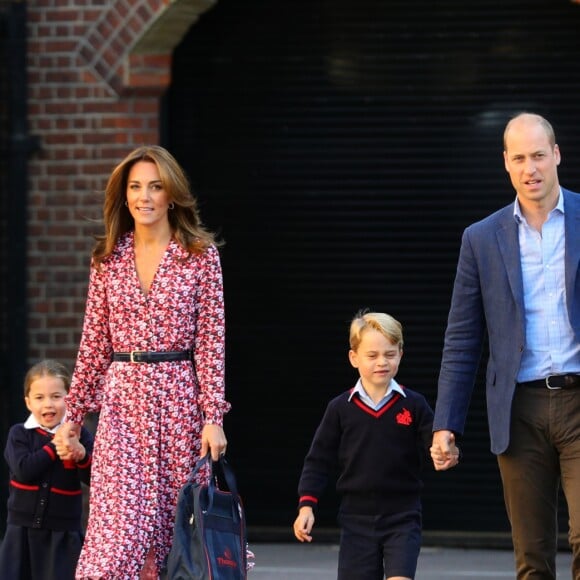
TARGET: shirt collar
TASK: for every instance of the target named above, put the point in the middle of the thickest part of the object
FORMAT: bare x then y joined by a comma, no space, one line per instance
393,387
32,423
518,216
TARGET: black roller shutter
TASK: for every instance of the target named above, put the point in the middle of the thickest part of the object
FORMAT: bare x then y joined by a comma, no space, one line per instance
341,148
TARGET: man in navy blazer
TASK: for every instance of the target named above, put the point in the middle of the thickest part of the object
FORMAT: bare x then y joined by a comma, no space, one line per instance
517,281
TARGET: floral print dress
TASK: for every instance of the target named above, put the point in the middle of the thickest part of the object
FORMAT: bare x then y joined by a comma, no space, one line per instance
151,414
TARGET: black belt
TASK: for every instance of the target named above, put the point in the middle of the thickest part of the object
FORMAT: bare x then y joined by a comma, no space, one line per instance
554,382
143,356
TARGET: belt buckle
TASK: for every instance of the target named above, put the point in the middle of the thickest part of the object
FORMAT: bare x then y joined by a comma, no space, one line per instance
140,352
548,384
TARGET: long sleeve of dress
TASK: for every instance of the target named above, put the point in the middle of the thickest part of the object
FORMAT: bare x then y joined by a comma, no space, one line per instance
95,351
209,344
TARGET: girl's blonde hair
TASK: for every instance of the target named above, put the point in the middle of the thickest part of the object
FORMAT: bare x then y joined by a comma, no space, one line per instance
184,216
384,323
46,368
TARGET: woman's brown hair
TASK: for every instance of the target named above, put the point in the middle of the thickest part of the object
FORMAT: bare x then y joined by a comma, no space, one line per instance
184,217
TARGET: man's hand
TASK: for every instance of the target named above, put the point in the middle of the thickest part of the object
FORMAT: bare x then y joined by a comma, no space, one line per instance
444,451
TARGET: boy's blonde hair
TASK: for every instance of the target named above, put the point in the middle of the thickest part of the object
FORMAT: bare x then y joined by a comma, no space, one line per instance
384,323
46,368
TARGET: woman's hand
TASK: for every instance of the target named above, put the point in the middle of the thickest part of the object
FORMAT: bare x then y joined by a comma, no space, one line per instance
213,439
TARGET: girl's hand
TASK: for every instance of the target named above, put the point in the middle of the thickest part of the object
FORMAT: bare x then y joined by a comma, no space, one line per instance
78,451
66,440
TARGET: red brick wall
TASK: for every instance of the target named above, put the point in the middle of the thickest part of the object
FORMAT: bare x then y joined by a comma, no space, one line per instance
94,85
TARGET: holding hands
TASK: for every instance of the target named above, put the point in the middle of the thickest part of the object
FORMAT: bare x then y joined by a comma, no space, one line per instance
67,443
444,451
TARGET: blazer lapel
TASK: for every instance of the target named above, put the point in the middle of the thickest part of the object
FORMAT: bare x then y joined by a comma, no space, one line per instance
572,225
509,247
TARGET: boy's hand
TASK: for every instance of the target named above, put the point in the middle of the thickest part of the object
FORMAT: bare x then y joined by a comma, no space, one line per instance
303,524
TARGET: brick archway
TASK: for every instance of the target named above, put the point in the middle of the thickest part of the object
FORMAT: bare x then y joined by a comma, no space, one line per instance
131,49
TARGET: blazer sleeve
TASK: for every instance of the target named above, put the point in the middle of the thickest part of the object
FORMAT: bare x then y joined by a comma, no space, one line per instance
463,343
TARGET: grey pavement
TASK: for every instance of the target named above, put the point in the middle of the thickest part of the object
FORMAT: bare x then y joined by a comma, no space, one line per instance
296,561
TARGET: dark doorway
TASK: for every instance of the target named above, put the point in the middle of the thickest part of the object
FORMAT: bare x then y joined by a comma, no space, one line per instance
340,148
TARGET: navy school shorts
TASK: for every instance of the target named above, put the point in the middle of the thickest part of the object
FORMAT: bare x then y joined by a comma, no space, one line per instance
378,547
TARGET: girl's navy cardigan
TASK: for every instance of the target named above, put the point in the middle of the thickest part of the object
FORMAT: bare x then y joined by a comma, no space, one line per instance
45,492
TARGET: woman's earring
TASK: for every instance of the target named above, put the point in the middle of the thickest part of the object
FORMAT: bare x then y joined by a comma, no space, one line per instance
126,204
171,205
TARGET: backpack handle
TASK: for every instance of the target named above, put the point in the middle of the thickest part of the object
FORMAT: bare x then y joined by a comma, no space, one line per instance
214,466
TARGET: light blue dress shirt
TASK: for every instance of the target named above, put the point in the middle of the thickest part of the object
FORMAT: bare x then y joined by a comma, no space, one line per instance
551,347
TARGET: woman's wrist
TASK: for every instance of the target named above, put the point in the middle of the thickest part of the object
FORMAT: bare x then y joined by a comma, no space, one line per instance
82,453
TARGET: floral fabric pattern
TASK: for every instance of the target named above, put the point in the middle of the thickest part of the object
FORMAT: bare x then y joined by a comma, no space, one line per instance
151,414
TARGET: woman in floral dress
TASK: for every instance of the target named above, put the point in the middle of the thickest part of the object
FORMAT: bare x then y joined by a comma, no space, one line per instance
150,361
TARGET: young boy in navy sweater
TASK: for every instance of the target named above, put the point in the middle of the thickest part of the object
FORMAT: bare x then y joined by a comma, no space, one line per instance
377,436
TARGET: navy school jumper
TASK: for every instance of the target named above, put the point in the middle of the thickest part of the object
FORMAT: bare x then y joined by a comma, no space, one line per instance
377,456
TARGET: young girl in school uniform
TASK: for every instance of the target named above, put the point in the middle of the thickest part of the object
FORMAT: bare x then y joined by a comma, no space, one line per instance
44,533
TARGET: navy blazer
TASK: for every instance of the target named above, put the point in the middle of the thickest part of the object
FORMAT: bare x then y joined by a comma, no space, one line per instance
488,297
